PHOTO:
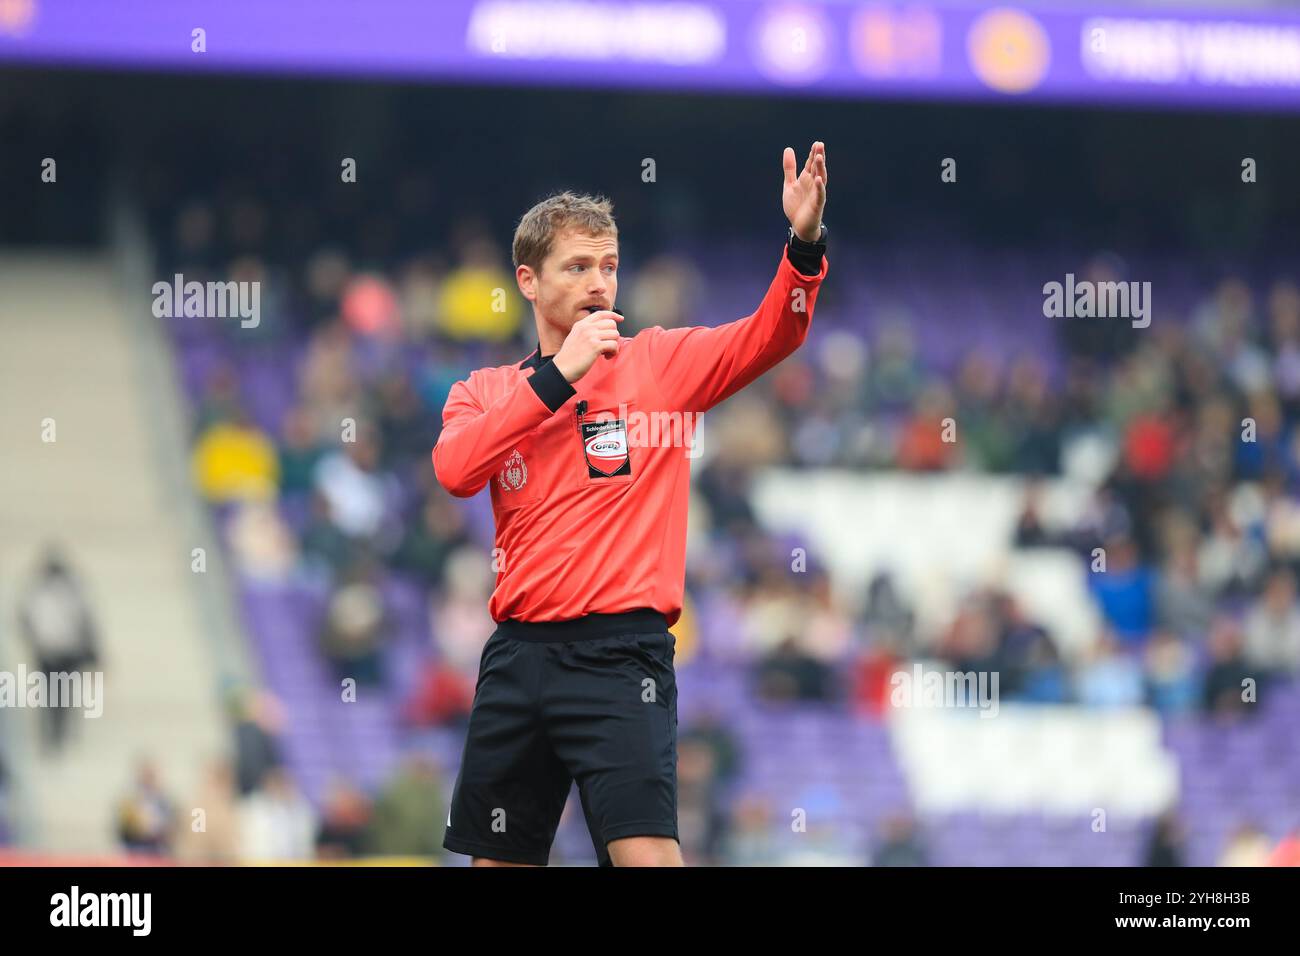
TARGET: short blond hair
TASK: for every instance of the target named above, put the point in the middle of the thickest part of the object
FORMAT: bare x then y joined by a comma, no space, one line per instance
537,230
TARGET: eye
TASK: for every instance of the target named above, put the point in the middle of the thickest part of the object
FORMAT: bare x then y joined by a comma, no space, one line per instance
611,269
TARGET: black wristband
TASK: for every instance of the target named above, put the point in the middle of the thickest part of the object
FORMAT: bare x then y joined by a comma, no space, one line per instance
551,386
806,256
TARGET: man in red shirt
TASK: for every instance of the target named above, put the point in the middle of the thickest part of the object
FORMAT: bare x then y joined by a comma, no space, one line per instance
586,448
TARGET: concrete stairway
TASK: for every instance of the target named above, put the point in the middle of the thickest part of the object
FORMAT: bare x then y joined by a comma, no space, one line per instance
79,347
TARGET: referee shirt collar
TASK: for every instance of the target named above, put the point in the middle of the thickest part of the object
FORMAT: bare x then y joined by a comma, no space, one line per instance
535,360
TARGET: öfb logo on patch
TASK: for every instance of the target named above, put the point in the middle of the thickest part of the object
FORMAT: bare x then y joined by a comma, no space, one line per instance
605,445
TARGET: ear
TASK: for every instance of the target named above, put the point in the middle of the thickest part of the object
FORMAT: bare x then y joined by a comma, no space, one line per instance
527,281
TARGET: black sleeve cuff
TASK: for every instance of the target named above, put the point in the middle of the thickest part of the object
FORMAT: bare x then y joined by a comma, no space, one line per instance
805,256
551,386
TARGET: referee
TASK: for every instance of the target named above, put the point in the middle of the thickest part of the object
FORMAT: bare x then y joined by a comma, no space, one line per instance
577,681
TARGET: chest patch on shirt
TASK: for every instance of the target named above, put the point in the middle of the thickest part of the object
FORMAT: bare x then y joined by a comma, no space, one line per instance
514,474
604,443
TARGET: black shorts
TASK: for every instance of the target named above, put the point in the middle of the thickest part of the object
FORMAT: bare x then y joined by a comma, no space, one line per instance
592,700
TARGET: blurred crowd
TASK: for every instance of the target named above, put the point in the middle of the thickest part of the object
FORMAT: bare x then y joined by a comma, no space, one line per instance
1191,538
1196,525
1196,519
249,808
312,430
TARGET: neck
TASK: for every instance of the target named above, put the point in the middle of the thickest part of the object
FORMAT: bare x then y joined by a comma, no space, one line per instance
549,338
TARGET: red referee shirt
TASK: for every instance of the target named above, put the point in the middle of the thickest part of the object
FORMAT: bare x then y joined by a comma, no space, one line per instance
589,481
